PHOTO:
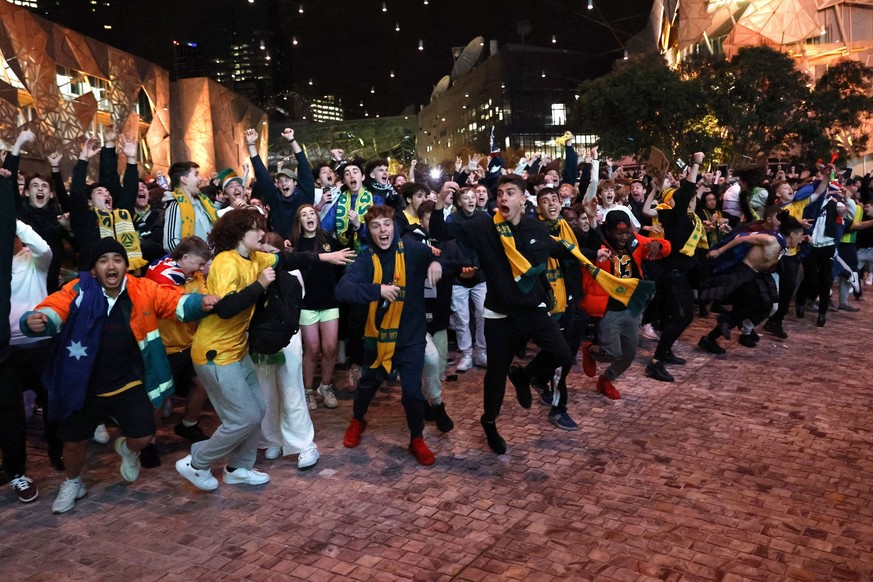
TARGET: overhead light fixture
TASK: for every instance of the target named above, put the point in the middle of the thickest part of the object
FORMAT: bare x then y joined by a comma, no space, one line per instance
384,7
397,27
625,55
372,89
590,4
554,39
391,74
421,45
294,40
300,10
310,82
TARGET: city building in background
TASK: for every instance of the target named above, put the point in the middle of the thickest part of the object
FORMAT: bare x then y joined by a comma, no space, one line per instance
816,33
326,108
64,85
522,91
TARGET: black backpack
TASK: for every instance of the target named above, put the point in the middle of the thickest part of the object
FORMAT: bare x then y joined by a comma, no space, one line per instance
277,315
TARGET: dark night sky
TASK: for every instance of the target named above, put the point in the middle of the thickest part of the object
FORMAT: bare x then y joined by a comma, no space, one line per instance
347,46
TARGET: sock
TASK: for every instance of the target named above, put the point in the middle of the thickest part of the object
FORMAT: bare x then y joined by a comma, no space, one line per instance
189,423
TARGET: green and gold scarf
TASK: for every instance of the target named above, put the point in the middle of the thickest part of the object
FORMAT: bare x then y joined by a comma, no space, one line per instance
363,202
385,336
118,224
186,211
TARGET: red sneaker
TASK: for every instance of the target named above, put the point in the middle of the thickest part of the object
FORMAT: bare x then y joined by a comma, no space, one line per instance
353,433
418,448
606,388
589,366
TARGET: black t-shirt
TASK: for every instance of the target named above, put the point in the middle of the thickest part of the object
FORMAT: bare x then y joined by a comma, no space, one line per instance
320,279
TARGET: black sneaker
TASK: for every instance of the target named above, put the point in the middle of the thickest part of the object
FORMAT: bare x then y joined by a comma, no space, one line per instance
519,379
24,488
546,397
707,344
658,372
429,412
747,340
822,319
192,433
149,457
443,422
800,310
495,441
563,421
775,328
671,359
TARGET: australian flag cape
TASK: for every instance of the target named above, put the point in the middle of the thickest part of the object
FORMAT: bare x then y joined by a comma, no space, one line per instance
68,374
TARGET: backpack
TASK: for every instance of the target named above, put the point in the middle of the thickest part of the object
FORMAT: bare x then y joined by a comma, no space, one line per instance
277,315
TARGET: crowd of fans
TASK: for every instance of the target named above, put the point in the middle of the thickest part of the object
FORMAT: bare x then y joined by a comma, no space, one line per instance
249,290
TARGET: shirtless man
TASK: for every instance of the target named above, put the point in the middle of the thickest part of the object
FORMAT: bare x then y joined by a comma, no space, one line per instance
747,284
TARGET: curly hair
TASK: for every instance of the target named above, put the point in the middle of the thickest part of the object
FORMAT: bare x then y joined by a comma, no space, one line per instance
378,211
229,230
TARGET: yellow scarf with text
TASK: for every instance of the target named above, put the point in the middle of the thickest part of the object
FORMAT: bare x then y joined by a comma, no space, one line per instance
118,224
561,231
385,336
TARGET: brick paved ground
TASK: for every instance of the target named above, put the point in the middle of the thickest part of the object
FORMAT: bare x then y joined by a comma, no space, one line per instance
755,466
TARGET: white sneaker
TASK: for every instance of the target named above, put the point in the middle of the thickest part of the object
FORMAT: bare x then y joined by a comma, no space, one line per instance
465,364
201,478
272,453
129,460
481,360
243,476
311,404
68,494
648,332
101,435
326,393
308,458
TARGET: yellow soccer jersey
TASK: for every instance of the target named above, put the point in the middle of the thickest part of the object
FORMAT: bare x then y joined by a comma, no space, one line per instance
224,341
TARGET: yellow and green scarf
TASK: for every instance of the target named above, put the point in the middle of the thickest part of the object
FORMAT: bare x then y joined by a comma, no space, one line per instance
186,211
385,337
363,202
562,231
118,224
524,274
697,238
632,293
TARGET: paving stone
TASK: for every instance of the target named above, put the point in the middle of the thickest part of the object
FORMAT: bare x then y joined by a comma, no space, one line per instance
751,466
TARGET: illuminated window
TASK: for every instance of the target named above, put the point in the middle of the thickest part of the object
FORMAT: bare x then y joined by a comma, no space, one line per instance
559,114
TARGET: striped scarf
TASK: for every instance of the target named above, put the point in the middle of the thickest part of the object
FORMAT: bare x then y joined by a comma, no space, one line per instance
630,292
524,274
562,231
697,238
117,224
385,336
363,202
187,212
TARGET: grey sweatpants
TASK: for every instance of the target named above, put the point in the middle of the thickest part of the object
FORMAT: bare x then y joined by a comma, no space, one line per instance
619,334
236,396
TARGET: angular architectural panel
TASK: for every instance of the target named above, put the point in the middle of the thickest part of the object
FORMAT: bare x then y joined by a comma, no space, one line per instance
64,85
209,123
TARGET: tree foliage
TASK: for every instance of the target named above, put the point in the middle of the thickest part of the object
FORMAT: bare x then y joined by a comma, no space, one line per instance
754,106
643,103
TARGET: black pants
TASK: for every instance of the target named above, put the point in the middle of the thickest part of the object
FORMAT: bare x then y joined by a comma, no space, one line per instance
21,371
789,267
357,321
502,338
409,362
675,301
817,277
533,369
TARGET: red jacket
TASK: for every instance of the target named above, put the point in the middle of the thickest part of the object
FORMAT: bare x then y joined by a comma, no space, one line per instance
594,297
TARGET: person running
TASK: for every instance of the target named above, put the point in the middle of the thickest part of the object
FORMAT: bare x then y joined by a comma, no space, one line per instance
109,360
389,277
239,275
